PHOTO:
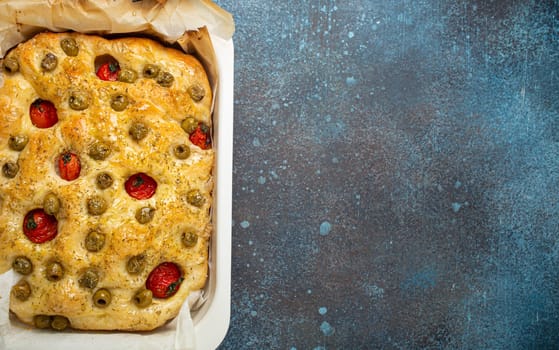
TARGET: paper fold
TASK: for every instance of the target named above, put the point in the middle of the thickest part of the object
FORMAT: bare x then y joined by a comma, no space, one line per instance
21,19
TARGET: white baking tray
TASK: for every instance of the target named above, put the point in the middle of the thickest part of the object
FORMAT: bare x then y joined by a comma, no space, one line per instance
211,320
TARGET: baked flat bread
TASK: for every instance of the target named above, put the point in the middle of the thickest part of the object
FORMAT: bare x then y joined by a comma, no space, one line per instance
106,184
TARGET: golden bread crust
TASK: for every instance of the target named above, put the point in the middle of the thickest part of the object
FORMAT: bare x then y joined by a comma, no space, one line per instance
161,109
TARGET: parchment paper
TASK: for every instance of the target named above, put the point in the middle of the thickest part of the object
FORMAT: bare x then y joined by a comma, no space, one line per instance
21,19
186,23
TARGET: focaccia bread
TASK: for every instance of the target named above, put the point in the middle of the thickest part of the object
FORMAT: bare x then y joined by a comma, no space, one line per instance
106,181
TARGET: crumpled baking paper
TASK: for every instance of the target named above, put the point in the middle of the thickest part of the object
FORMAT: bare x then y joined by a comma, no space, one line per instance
167,21
21,19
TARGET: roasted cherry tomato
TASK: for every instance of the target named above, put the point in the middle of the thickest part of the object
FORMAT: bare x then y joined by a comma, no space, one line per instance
140,186
165,280
40,227
201,136
108,71
43,113
69,166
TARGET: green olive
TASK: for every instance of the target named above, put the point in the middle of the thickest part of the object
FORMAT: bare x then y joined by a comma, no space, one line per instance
195,198
49,62
59,323
69,46
54,271
42,321
23,265
18,142
89,279
104,180
151,71
78,100
165,79
196,92
138,131
10,169
51,204
143,298
21,290
189,239
102,298
145,215
181,151
96,205
136,264
127,75
99,151
189,125
94,241
10,65
119,102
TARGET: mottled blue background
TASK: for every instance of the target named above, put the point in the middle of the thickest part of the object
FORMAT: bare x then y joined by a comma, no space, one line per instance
395,175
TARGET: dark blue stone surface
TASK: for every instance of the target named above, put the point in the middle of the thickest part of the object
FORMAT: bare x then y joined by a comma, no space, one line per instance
396,175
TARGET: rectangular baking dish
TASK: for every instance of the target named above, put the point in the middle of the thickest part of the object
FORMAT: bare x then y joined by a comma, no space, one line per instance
211,320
